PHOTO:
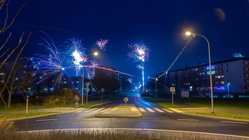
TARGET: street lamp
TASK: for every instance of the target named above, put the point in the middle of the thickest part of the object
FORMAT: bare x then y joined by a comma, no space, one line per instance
95,53
188,33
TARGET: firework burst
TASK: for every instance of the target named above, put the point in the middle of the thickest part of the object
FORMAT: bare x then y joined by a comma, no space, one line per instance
140,54
102,44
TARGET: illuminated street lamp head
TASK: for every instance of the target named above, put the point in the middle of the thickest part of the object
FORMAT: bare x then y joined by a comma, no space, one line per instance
95,53
188,33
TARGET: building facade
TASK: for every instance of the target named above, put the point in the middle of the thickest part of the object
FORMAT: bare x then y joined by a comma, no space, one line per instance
230,77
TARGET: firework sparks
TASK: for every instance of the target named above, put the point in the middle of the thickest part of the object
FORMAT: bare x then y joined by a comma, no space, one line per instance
140,53
102,43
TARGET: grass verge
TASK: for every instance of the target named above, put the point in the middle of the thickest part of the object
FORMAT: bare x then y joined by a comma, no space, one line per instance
110,134
18,111
234,109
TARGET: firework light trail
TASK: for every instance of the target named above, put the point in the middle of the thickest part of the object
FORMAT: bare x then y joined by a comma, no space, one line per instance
140,53
46,66
102,44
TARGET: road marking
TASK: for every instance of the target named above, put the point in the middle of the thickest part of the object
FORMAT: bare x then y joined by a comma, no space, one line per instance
109,108
191,120
141,109
169,111
91,109
159,110
233,122
45,120
150,110
98,109
176,110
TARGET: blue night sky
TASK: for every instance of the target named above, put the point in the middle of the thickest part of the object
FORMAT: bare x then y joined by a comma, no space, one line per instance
157,23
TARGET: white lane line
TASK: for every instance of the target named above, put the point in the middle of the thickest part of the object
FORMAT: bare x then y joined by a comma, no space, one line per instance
176,110
98,110
45,120
91,109
233,122
169,111
150,110
191,120
159,110
141,109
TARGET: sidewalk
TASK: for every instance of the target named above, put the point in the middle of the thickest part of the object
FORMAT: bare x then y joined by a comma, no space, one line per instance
122,111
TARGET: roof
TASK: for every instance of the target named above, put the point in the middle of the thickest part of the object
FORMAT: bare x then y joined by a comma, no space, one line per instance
213,63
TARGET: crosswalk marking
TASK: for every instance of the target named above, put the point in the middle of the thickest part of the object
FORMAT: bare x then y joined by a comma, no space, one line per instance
169,111
105,109
150,110
141,109
98,110
159,110
176,110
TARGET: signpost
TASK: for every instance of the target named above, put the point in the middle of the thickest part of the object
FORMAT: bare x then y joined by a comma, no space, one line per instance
27,104
87,90
126,100
102,93
173,91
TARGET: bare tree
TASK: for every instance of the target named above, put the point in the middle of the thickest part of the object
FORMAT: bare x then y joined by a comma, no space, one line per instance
7,52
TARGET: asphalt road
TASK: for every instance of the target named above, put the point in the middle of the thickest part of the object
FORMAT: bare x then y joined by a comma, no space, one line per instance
154,117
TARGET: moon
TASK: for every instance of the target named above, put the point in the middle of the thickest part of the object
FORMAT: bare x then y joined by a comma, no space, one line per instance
220,14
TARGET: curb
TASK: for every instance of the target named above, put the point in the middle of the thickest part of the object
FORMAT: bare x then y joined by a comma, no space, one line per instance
38,116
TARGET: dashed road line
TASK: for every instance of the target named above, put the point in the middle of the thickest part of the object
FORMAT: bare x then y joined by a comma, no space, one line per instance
234,122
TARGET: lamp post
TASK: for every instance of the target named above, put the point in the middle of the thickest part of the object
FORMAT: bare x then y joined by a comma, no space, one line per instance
188,33
82,87
228,88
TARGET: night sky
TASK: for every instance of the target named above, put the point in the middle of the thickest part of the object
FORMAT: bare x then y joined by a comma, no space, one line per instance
157,23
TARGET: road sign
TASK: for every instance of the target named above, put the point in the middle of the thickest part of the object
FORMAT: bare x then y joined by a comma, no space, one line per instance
87,85
102,90
126,100
172,90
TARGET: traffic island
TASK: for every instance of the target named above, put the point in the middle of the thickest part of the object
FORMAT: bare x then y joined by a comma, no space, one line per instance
122,111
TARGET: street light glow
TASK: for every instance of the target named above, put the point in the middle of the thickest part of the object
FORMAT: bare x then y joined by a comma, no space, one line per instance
95,53
188,33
